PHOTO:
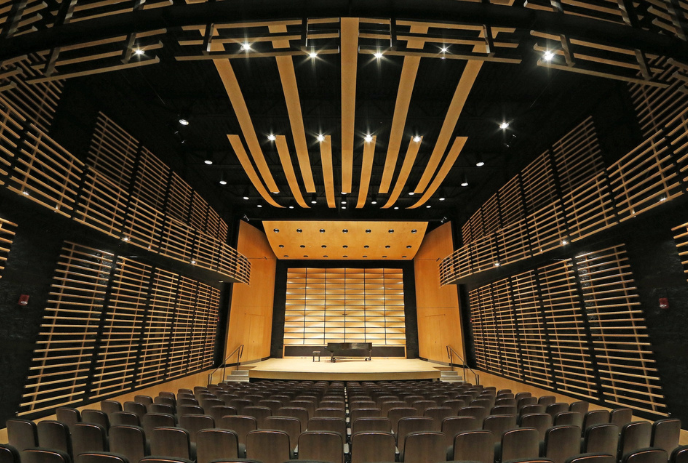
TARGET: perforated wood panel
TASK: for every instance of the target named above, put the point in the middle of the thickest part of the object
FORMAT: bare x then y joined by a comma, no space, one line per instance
345,305
565,315
619,336
59,371
7,231
681,239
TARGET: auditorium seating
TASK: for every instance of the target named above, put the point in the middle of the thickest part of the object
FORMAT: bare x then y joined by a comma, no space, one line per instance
419,422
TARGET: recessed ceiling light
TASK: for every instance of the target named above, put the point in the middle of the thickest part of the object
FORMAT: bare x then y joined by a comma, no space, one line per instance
366,246
548,55
208,161
281,245
322,230
504,125
245,197
323,246
343,207
298,230
396,207
480,163
409,247
428,206
377,55
411,193
276,230
368,138
313,55
302,246
442,199
259,205
321,138
183,121
391,231
388,246
345,246
140,52
374,201
416,139
224,182
414,231
246,46
343,202
314,201
291,207
272,137
369,231
345,231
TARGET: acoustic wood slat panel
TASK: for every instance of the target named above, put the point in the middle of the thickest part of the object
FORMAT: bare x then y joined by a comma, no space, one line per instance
539,189
144,224
46,173
644,178
477,327
182,329
681,240
504,313
157,331
484,254
199,212
491,215
112,151
177,240
62,357
577,156
677,134
589,207
10,128
547,228
513,243
117,352
7,232
491,334
288,168
234,264
213,320
196,346
366,171
566,329
179,200
447,164
407,165
619,333
240,152
213,225
102,204
511,204
466,234
603,10
344,305
327,170
349,67
151,180
476,225
532,333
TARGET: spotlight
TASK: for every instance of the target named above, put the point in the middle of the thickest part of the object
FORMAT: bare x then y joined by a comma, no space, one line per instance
183,121
416,139
271,137
246,46
223,181
208,161
442,199
314,199
321,138
428,206
444,219
445,49
497,264
504,125
564,242
479,161
411,193
548,56
464,182
313,55
378,55
139,52
368,138
125,239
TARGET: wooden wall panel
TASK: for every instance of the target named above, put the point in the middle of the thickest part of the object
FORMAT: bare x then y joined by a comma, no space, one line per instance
7,232
437,307
250,318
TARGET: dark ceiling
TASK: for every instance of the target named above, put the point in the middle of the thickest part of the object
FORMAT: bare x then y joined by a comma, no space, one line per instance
540,104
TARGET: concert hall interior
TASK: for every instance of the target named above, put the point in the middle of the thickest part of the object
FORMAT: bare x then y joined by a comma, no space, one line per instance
465,207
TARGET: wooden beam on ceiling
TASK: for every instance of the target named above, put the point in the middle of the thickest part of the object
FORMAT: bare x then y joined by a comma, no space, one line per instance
240,152
285,65
288,167
466,82
327,171
349,63
229,80
406,167
366,171
457,146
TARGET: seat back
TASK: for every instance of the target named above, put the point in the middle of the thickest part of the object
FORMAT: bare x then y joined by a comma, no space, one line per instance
216,444
157,420
519,444
454,404
155,459
189,410
268,446
680,455
665,434
523,401
55,436
125,419
621,416
110,406
532,409
556,408
595,417
325,446
475,446
547,400
540,421
649,455
258,412
521,395
635,436
9,454
145,400
601,438
438,414
98,417
240,424
129,441
562,443
385,407
166,409
22,434
327,423
479,413
357,413
171,442
592,458
297,412
504,410
35,455
395,414
87,437
68,416
194,423
452,425
100,457
273,405
570,418
372,446
422,405
411,424
288,424
165,401
580,407
371,423
423,447
498,424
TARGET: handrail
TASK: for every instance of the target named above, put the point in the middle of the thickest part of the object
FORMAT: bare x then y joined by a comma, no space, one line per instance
223,365
450,352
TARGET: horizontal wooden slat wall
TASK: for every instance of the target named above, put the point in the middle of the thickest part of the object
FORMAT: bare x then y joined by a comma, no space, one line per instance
114,324
7,231
59,372
583,198
11,127
681,240
575,326
345,305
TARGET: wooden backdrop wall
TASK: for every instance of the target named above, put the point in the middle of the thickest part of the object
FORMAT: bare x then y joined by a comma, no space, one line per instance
250,317
439,320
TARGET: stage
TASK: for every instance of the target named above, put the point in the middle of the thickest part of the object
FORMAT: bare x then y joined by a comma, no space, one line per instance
378,369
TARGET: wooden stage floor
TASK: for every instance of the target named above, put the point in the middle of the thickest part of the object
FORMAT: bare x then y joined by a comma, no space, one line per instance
378,369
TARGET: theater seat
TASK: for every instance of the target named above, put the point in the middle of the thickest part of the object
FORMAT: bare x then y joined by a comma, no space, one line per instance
647,455
268,446
41,455
129,441
325,446
214,444
100,457
22,434
372,447
423,447
87,437
9,454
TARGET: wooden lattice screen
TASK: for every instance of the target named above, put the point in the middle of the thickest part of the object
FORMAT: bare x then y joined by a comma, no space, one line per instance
576,328
681,240
7,232
114,324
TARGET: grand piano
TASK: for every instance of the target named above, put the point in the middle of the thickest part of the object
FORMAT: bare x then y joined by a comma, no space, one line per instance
350,349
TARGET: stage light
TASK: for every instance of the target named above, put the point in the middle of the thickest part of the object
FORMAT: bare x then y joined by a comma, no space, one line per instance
504,125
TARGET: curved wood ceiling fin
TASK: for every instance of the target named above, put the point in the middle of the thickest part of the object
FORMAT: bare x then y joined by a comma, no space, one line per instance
288,167
349,46
448,163
466,82
406,83
229,80
240,152
406,167
328,173
285,66
366,171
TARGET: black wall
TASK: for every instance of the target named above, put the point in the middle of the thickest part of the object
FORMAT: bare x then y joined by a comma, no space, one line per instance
279,307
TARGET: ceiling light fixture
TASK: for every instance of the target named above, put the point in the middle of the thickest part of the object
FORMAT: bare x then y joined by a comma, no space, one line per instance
368,138
314,199
411,193
139,52
246,46
313,55
298,230
479,161
504,125
345,231
321,138
564,242
374,201
224,182
464,181
445,49
259,205
391,231
369,231
272,137
378,55
497,264
442,199
291,207
396,208
548,56
208,161
428,206
183,121
322,230
417,139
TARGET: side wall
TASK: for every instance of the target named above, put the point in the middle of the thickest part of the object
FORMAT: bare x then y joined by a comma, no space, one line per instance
250,318
439,320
